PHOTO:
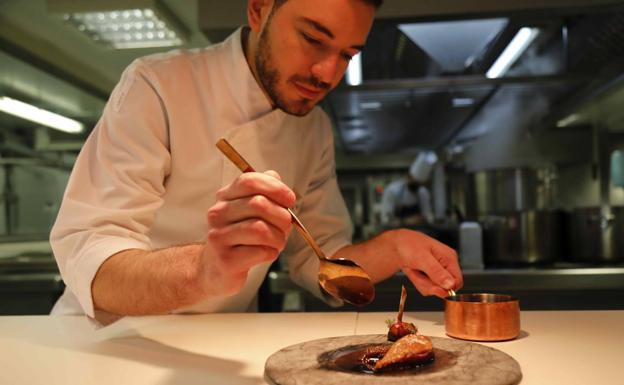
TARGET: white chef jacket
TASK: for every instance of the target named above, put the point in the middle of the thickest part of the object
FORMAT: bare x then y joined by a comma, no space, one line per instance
396,194
149,171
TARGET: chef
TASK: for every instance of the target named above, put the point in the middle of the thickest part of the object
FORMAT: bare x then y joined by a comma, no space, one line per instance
155,220
407,201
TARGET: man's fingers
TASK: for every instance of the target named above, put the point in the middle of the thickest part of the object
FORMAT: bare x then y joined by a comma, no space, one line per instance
429,264
447,257
249,224
252,232
274,174
433,258
255,183
423,284
225,213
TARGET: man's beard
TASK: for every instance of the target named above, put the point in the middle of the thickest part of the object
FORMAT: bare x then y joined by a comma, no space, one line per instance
270,77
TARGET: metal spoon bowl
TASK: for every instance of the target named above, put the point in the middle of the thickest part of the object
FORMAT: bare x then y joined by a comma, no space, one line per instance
341,278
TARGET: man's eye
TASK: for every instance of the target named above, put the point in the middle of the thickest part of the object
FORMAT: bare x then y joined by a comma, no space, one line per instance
311,40
347,57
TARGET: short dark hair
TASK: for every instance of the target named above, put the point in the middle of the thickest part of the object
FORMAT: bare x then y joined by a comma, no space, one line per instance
375,3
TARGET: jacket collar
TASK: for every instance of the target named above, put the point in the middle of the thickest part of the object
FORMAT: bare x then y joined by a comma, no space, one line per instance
248,96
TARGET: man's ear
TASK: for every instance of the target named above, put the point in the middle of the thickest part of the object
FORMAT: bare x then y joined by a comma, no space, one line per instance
257,13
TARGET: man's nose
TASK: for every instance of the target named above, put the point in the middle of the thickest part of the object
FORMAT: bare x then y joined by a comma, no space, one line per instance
326,69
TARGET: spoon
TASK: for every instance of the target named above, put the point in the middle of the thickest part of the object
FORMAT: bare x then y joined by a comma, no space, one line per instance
341,278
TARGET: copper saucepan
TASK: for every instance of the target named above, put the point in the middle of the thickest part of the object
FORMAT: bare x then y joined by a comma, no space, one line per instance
482,317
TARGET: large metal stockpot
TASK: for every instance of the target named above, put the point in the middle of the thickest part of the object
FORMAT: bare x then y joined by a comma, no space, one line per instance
597,235
513,190
523,238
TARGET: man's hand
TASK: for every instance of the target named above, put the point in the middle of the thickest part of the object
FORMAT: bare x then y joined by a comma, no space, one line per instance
430,265
249,225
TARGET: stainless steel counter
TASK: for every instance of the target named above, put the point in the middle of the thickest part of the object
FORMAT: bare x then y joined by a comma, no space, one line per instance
30,284
570,288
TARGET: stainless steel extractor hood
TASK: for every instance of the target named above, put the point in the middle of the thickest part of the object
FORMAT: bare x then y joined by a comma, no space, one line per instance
427,89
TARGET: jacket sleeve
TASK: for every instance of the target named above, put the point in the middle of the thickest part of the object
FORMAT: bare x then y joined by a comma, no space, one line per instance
324,213
116,185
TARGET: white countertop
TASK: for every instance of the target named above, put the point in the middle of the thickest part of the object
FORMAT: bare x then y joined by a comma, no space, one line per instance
558,347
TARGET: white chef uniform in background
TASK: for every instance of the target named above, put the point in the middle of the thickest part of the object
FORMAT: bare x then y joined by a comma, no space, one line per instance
149,171
399,204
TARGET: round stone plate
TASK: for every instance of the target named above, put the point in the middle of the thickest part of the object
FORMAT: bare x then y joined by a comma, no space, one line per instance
456,363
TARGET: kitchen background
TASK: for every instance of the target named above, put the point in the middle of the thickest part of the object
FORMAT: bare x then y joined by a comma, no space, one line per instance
529,182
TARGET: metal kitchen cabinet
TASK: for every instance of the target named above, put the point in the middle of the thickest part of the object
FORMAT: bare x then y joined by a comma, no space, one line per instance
36,194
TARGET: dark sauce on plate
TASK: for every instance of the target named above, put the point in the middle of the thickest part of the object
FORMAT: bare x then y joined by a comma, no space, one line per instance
362,358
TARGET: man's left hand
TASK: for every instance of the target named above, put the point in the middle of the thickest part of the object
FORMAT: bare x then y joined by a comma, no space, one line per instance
432,266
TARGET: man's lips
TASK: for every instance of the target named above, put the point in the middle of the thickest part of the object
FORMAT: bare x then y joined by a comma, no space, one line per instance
306,91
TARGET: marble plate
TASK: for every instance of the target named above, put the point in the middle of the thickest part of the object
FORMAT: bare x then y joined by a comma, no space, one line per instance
457,363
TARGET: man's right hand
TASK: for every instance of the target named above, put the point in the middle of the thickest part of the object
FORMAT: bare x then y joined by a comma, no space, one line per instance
249,225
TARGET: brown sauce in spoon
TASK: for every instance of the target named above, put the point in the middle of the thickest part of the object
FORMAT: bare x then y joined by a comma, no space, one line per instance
355,290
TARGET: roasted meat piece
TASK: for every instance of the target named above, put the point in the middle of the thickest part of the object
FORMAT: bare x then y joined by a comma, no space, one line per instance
400,329
409,350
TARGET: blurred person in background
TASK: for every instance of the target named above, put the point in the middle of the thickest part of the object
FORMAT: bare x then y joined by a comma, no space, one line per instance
407,201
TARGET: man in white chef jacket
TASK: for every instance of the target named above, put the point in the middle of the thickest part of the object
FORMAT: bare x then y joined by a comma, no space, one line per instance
407,201
156,220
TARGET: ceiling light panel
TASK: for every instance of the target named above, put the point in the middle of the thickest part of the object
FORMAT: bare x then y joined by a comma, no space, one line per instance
38,115
521,41
354,70
126,29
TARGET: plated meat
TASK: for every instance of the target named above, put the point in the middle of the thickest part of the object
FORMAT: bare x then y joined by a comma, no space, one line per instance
409,350
400,329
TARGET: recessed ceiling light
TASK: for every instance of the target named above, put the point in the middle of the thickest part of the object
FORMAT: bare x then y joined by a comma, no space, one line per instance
123,29
371,106
462,102
569,120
